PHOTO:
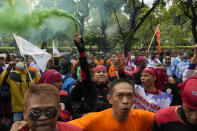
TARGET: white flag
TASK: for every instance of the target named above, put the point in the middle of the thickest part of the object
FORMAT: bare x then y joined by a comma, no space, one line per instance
27,48
55,50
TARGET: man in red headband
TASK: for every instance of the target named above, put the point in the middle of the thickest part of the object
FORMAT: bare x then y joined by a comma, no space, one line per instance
180,118
140,63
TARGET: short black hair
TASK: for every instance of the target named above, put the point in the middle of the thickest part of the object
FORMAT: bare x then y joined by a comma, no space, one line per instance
118,81
62,57
66,67
1,58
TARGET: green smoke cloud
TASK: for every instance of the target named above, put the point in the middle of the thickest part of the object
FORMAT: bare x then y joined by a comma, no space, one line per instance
17,17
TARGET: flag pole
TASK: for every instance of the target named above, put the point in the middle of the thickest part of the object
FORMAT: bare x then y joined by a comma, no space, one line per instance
28,73
153,38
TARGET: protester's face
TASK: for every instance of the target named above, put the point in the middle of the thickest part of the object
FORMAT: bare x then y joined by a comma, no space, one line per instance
61,60
58,84
113,58
1,61
147,79
168,60
100,76
20,64
143,64
191,115
49,108
171,80
91,55
121,99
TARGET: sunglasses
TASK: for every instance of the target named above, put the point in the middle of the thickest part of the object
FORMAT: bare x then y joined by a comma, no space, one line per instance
35,114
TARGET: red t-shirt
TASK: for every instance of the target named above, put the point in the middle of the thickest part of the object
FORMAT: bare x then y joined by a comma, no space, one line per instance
62,126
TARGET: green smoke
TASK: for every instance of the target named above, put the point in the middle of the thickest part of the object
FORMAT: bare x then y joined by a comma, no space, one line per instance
17,17
37,17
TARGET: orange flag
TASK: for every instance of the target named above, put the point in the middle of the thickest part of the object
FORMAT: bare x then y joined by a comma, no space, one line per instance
158,36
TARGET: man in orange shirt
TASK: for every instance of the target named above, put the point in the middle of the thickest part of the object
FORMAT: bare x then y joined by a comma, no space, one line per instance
92,56
120,117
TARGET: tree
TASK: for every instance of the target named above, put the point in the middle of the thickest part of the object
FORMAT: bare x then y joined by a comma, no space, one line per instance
146,31
133,8
105,9
189,9
82,12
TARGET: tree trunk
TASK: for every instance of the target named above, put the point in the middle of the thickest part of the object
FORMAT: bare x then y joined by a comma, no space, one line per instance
104,45
194,32
132,20
81,25
44,45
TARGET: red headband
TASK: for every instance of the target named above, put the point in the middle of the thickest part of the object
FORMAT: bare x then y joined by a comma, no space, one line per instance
99,67
139,59
150,70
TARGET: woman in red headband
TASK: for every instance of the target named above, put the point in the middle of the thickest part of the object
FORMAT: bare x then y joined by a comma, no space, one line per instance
89,94
148,95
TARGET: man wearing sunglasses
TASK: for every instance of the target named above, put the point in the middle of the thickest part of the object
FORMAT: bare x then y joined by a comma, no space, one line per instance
42,109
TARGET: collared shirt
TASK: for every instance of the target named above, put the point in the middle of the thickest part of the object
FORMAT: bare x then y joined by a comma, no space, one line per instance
170,70
152,63
181,68
176,61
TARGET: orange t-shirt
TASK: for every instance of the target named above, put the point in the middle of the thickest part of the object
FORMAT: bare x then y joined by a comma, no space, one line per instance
138,120
112,70
75,63
109,62
96,62
101,61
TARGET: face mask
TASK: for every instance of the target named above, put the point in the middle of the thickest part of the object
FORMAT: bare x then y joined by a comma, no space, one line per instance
20,66
132,58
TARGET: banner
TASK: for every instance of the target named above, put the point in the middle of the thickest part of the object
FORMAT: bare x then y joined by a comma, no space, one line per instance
55,50
40,56
158,39
150,102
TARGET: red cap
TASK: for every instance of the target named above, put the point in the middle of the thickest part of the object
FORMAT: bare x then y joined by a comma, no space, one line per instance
189,94
50,76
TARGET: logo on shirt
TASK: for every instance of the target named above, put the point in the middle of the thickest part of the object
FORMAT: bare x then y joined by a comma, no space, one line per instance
194,93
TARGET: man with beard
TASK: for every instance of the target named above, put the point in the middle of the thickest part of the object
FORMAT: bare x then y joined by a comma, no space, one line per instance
170,67
16,76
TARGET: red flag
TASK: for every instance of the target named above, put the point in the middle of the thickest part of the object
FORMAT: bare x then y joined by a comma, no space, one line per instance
158,36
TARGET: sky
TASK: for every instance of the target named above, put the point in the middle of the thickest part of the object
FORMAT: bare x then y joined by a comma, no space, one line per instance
148,2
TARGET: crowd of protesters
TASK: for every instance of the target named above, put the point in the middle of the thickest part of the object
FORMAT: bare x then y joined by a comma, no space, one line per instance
153,91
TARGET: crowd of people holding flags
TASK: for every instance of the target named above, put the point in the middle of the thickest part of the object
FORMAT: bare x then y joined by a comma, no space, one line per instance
138,91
